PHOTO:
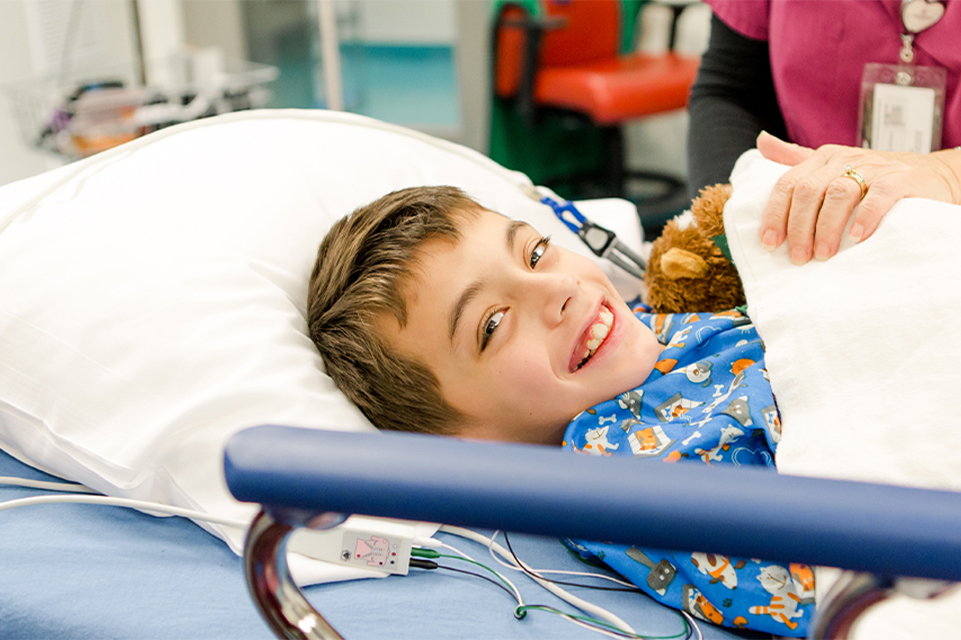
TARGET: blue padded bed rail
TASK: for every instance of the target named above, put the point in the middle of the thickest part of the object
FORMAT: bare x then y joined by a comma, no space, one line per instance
889,531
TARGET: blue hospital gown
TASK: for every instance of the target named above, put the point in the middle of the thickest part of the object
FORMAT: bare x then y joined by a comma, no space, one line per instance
707,401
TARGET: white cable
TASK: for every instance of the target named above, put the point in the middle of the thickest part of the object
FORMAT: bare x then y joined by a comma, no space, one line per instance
430,543
513,587
600,630
583,574
583,605
47,486
455,550
693,623
120,502
690,619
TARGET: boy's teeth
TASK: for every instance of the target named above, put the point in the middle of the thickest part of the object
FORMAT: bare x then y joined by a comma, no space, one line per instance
598,333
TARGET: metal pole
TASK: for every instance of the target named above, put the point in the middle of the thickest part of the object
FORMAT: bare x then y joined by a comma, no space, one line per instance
330,56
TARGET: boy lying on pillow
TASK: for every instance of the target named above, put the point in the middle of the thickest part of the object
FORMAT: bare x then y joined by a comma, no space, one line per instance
435,315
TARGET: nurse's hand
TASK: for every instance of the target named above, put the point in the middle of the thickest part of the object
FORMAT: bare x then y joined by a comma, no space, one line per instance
811,204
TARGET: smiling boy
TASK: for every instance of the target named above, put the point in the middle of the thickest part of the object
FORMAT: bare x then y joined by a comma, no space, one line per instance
521,334
435,315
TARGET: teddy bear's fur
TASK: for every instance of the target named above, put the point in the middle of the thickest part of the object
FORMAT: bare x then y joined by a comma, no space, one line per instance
687,271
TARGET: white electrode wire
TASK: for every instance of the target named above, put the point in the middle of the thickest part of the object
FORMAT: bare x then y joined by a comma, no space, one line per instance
583,605
690,619
583,574
72,487
513,587
600,630
693,623
120,502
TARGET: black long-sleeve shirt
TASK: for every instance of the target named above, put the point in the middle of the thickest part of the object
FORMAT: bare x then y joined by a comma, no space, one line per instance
732,101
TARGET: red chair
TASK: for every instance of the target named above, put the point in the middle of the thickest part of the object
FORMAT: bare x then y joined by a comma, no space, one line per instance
565,57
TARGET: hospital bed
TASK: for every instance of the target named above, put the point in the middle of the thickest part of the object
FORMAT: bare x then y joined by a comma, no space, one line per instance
152,317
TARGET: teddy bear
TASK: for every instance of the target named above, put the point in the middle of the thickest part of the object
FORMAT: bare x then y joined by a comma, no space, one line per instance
687,269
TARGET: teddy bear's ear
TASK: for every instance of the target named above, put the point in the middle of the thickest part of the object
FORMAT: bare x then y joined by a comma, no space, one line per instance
708,209
681,263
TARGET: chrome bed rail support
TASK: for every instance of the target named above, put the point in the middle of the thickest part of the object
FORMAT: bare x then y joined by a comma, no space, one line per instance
867,528
281,603
855,592
852,595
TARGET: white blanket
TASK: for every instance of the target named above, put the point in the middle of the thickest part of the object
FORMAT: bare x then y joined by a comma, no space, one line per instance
861,351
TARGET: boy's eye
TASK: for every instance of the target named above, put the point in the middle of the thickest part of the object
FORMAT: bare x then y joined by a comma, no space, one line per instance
539,250
490,326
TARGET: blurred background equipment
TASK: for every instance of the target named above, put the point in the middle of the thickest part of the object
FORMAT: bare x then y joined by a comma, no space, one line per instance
84,111
567,77
422,64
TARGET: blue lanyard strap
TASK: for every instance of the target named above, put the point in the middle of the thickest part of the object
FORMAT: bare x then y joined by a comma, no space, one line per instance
600,240
564,212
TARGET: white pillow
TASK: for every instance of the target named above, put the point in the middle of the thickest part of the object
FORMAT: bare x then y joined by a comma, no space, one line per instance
152,297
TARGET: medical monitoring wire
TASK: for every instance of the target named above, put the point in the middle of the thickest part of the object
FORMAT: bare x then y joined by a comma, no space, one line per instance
520,611
89,496
629,587
120,502
691,626
570,598
538,573
45,485
419,560
600,621
420,563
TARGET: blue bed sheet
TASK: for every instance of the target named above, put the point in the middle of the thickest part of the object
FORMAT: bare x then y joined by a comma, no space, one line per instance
83,571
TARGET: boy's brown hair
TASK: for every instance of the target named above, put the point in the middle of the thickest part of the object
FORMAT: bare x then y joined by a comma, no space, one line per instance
362,267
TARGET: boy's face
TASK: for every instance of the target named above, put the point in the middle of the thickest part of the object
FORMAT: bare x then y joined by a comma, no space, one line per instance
522,335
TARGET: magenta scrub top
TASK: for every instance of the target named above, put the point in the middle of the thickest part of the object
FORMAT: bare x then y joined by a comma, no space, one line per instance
818,52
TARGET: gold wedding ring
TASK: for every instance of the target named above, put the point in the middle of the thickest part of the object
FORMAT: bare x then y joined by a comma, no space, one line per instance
851,172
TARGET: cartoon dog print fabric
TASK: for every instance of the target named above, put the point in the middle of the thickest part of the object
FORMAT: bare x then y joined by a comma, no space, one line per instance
708,401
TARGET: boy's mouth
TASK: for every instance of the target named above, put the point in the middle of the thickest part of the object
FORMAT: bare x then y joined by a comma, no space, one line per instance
592,338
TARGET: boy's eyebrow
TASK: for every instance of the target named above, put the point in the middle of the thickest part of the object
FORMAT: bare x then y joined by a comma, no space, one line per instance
512,230
471,292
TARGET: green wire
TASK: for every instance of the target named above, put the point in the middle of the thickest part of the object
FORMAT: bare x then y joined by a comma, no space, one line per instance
479,564
522,611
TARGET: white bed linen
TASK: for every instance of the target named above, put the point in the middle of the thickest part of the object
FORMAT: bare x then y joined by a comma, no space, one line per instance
861,351
152,297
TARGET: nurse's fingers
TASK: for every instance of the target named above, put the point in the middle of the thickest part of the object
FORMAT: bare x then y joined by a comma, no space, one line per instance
882,193
780,151
778,209
841,197
820,203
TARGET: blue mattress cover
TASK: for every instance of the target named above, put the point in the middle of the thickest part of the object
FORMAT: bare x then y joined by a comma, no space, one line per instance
84,571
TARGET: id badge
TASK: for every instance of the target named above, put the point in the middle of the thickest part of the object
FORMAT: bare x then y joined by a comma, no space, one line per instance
902,108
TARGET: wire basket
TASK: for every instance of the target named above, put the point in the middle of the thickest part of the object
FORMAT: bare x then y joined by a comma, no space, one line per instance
99,109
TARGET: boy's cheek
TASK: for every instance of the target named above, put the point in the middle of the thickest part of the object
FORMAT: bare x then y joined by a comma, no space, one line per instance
636,356
528,383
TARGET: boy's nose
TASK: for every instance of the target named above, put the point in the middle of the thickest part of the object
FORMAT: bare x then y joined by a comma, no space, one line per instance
553,295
